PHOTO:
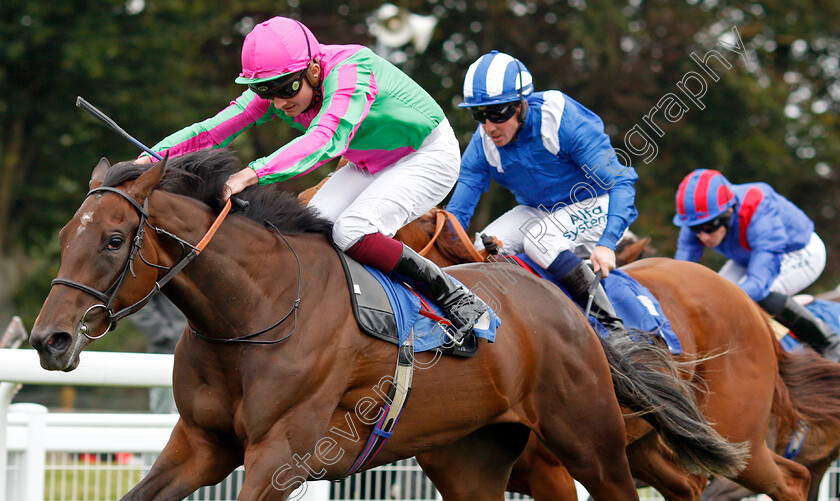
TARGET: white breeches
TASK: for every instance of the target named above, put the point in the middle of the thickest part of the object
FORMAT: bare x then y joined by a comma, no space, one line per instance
359,203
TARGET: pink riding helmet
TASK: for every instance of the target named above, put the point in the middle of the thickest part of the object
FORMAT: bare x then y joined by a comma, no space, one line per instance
276,47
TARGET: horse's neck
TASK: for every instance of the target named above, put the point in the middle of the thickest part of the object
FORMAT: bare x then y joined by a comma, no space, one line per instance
242,279
447,249
413,235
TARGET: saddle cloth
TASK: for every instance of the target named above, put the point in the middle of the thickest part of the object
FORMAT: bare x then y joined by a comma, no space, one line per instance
634,304
390,311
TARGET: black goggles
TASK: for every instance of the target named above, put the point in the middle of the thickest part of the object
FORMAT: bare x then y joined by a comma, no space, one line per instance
285,89
710,226
497,113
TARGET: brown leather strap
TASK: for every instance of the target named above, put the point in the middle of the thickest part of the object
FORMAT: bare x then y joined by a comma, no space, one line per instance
462,236
441,216
440,219
215,226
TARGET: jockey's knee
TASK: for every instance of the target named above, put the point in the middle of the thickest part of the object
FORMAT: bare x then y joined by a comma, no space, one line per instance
545,255
348,230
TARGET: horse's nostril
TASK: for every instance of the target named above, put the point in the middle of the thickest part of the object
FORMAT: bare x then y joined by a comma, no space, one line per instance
58,342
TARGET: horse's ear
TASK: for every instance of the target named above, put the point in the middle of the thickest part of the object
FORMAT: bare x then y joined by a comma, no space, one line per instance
632,252
143,186
99,173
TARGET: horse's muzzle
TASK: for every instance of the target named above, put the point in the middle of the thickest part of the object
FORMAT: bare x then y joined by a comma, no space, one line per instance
54,349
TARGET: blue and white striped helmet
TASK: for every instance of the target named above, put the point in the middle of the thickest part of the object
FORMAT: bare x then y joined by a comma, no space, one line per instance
496,78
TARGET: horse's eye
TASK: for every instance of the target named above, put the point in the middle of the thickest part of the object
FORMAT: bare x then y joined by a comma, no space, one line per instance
115,242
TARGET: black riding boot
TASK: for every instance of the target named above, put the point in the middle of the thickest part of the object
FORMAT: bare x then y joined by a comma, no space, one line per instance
461,306
578,282
803,324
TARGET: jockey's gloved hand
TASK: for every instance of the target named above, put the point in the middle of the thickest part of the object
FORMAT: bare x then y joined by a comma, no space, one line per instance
239,204
489,244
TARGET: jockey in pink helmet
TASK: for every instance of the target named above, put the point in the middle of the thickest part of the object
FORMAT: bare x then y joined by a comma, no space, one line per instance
772,248
403,155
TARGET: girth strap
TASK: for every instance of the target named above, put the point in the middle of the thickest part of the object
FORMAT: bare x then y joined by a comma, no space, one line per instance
394,406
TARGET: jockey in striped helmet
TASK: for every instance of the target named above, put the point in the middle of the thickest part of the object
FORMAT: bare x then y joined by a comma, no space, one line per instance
772,248
552,153
496,78
347,101
495,89
703,196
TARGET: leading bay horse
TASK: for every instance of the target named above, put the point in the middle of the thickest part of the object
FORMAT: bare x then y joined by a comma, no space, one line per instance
274,373
737,366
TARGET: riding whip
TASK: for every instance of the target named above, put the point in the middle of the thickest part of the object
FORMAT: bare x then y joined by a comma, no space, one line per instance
592,287
102,117
241,205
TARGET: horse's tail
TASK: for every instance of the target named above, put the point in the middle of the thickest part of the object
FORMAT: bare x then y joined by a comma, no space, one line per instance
646,381
807,388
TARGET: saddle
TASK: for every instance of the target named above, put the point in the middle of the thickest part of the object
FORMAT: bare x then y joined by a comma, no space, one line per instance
375,315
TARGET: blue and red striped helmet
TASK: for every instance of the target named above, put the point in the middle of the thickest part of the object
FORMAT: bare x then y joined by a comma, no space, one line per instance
702,196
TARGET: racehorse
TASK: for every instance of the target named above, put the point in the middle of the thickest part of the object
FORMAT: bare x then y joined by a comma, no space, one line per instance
739,370
814,444
814,384
291,398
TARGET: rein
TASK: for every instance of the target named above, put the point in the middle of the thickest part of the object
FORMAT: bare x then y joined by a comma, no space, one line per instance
108,297
292,311
441,216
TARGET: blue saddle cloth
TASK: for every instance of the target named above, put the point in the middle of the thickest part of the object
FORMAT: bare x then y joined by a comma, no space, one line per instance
633,303
827,311
428,334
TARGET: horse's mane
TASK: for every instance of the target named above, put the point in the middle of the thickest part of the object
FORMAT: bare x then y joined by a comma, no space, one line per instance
202,175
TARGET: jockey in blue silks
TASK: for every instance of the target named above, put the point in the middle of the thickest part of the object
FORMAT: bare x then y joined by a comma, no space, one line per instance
575,198
772,248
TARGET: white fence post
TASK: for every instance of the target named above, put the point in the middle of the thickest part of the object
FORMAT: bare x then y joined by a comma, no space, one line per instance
34,464
7,392
13,336
96,369
315,491
823,494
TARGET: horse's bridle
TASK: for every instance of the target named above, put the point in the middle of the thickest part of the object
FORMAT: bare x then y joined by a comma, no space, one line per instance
110,294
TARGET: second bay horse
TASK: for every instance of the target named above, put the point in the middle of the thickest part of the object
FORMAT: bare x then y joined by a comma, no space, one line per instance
274,373
733,360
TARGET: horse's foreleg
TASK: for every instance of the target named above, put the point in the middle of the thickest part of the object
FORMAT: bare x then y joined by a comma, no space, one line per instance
476,467
791,480
817,472
272,473
657,466
192,458
539,474
766,472
281,461
748,421
721,489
